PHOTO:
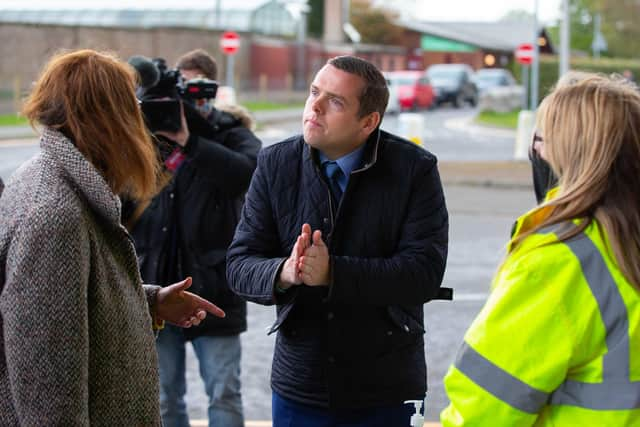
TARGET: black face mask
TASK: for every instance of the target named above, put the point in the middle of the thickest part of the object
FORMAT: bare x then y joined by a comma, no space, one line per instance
543,177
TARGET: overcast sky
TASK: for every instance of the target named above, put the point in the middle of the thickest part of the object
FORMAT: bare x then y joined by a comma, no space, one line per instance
432,10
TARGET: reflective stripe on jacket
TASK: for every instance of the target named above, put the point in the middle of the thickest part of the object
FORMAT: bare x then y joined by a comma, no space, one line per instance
558,341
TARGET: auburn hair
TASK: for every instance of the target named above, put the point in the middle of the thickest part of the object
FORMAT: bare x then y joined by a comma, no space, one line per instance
90,97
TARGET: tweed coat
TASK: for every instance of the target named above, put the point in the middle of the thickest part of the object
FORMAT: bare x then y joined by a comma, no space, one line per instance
77,346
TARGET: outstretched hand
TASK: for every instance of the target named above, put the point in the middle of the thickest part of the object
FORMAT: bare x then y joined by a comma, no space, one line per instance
182,308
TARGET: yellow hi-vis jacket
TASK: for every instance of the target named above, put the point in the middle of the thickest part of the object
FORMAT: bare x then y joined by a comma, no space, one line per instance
557,342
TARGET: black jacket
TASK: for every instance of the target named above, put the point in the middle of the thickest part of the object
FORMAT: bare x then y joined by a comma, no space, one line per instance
359,342
186,229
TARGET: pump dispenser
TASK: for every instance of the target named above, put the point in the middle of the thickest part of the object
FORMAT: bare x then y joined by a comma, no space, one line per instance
417,420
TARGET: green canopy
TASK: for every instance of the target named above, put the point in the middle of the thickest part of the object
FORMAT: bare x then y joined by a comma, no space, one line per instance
438,44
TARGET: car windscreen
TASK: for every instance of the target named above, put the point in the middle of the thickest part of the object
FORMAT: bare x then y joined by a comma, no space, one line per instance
403,81
490,79
442,74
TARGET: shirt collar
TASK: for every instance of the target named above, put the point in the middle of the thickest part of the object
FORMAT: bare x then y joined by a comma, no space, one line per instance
348,162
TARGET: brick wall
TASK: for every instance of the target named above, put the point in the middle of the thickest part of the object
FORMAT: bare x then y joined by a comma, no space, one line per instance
261,63
24,49
475,59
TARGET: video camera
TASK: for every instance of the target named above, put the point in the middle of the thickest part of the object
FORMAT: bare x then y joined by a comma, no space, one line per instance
161,90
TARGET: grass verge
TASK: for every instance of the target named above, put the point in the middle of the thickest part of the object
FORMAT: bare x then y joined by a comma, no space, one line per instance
505,120
12,120
271,106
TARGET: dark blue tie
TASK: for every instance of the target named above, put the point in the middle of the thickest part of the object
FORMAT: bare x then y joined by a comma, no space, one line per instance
334,173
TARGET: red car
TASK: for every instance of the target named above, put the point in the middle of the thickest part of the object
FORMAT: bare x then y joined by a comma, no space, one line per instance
409,90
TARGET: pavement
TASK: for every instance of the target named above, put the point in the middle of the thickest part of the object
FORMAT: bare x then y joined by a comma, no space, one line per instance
500,174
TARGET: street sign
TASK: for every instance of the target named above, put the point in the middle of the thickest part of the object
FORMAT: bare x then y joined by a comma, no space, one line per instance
524,53
230,42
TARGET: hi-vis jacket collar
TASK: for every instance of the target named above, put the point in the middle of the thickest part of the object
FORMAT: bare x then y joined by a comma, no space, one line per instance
532,218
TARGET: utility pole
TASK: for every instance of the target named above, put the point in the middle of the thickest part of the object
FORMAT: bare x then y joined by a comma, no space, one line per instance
599,43
218,12
536,59
301,70
346,12
565,43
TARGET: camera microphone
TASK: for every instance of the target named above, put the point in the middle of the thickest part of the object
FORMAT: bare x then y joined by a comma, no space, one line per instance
147,71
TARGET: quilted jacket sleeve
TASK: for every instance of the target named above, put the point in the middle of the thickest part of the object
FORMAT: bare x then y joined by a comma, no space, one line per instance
254,257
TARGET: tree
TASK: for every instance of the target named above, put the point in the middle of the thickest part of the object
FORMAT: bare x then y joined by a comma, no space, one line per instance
620,26
315,18
581,24
375,24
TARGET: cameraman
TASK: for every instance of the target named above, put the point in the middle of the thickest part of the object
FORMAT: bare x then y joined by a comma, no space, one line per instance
185,230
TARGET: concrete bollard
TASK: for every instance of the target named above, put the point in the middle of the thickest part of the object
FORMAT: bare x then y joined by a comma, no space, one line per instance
226,95
411,127
263,85
524,134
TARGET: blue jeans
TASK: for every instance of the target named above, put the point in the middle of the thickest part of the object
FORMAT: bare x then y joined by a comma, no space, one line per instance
219,360
287,413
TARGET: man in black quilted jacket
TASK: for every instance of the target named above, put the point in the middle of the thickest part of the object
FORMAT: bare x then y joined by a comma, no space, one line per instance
345,229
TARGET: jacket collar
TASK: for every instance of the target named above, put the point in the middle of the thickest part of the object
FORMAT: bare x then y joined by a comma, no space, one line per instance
369,156
82,175
533,217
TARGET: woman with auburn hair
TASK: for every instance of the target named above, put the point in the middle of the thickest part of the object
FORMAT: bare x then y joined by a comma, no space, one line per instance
558,341
77,346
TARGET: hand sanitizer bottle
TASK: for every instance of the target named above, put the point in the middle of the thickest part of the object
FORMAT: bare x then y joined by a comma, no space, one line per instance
424,407
417,420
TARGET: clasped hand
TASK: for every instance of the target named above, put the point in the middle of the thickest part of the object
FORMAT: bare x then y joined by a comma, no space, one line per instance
308,263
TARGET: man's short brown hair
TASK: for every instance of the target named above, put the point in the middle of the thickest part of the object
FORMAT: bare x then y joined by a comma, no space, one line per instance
200,60
375,93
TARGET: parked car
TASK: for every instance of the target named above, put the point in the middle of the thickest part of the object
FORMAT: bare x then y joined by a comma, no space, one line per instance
498,90
453,83
393,105
487,78
409,90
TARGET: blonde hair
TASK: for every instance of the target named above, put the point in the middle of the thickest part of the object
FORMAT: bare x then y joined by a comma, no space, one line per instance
90,97
572,77
591,132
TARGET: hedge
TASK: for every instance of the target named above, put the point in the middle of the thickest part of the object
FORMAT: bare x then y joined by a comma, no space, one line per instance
548,70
